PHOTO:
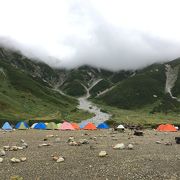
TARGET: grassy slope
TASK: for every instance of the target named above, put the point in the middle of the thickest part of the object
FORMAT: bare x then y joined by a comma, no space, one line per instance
21,97
137,91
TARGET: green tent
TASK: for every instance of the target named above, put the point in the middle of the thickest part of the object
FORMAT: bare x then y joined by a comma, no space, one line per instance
59,125
51,126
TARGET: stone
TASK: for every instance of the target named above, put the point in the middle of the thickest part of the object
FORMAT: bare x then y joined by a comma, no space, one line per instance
25,144
130,146
20,148
22,141
23,159
44,144
6,148
55,158
102,154
1,160
158,142
50,135
13,148
15,160
71,139
2,152
119,146
16,178
83,141
61,159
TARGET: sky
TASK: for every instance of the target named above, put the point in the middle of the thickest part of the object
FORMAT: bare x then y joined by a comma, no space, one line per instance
111,34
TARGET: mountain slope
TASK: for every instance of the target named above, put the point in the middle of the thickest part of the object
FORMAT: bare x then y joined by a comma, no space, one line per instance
26,89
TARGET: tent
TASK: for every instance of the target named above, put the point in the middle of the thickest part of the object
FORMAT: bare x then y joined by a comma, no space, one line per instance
59,125
22,125
103,126
33,125
90,126
75,126
40,125
51,126
6,126
120,127
166,128
83,124
66,126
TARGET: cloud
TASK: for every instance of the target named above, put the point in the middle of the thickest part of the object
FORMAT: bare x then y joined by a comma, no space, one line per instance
113,34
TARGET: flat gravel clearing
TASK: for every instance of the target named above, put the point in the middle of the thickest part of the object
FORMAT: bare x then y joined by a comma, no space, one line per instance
147,159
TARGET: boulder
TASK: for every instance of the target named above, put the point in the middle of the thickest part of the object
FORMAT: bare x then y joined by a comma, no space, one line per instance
61,159
130,146
2,152
102,154
1,160
15,160
119,146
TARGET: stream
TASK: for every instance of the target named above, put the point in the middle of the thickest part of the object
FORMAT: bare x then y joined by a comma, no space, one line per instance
86,105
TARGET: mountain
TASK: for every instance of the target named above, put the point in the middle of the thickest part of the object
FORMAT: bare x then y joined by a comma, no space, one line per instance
30,88
27,89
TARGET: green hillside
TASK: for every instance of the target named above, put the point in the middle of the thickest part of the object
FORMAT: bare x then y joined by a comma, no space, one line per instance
26,96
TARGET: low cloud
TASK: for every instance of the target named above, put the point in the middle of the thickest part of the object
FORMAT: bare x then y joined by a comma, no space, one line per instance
99,33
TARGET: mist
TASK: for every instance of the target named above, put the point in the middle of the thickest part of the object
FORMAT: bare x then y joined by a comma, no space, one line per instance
113,34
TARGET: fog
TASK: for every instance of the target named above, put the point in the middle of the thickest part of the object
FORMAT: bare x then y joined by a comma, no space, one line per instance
114,34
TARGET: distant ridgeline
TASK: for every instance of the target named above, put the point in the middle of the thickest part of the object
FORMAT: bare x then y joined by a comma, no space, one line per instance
30,88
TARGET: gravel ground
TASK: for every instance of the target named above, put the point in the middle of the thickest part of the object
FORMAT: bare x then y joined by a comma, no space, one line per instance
147,160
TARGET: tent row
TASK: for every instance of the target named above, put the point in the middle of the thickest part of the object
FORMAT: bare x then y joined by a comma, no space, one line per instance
60,126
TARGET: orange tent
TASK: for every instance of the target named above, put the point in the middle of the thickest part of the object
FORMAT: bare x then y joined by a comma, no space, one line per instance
75,126
90,126
166,128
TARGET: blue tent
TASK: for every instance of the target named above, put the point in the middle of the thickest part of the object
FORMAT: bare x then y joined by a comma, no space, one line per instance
22,125
83,124
103,126
40,125
6,126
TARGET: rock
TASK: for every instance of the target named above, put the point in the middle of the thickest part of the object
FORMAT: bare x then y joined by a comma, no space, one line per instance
25,145
44,144
50,135
168,143
71,139
22,141
2,152
57,140
20,148
83,141
6,148
61,159
119,146
158,142
130,146
16,178
1,160
23,159
15,160
55,158
13,148
95,138
102,154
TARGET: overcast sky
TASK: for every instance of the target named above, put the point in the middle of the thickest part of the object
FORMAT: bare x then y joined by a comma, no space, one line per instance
112,34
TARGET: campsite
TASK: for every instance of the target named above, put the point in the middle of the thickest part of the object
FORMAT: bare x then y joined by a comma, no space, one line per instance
155,155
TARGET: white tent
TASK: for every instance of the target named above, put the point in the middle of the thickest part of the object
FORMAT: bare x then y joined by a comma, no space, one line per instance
120,127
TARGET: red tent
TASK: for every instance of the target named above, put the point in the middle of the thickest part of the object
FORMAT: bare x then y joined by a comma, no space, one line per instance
90,126
75,126
166,128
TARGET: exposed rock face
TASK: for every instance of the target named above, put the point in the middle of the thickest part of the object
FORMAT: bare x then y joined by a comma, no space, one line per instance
171,78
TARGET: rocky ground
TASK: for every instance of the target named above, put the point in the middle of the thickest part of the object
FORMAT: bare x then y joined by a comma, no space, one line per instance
153,156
